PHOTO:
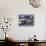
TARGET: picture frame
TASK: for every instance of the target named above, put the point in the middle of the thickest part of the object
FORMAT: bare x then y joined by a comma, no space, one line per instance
26,20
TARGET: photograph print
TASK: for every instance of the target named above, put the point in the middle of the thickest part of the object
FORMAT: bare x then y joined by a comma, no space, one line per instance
26,20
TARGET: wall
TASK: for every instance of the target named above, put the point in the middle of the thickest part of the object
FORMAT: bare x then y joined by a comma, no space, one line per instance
12,8
45,28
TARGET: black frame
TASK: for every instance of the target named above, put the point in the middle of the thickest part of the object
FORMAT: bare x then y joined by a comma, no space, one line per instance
26,20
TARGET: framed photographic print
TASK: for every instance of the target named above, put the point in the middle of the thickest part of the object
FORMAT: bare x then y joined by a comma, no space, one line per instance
26,20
